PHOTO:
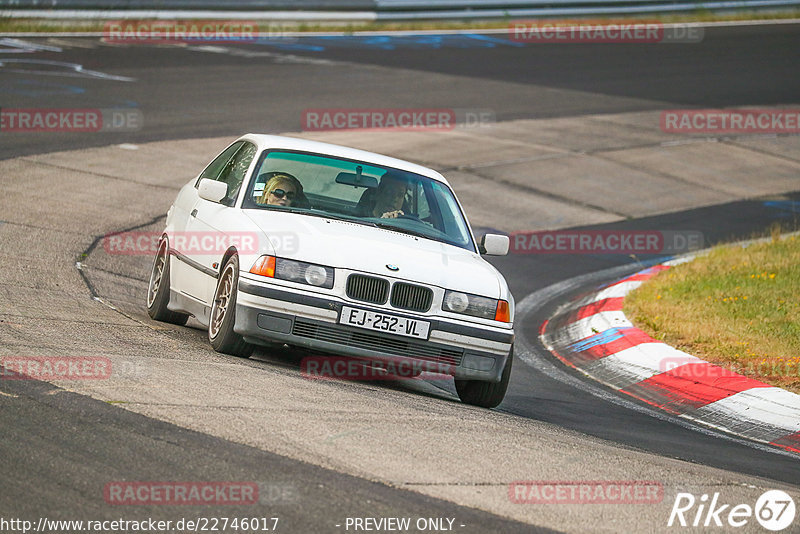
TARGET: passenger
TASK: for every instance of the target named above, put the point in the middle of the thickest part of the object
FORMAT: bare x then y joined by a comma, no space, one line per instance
283,189
385,201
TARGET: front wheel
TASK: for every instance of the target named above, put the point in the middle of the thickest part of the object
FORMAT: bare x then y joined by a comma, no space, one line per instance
223,314
158,289
485,394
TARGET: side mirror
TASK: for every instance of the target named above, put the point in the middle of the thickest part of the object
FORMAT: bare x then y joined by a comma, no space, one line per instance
212,190
494,245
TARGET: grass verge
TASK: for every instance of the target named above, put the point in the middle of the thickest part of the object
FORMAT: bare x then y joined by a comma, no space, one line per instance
736,307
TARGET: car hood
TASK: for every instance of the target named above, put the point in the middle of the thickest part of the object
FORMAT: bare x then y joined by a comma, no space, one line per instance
349,245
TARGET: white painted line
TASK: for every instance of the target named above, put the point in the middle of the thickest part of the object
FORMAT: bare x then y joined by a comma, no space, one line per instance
67,69
17,46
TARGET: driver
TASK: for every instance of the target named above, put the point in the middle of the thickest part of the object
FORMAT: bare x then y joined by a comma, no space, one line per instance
385,201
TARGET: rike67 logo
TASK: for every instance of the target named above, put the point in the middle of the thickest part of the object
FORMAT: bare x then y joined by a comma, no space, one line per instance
774,510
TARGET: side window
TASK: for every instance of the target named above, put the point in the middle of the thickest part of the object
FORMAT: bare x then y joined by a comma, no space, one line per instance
420,199
447,213
215,167
235,171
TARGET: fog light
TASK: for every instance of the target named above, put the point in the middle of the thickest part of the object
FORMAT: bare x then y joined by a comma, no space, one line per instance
479,363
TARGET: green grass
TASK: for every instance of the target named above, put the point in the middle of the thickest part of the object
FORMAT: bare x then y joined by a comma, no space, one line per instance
22,25
736,307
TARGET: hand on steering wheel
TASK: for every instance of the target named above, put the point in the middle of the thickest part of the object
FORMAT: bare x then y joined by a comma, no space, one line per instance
392,214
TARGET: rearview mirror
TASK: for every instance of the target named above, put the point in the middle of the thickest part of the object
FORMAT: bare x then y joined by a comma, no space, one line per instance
494,244
357,180
212,190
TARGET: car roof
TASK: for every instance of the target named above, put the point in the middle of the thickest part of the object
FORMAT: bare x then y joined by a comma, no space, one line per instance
264,141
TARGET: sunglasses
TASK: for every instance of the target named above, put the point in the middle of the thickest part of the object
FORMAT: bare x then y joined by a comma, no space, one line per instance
279,193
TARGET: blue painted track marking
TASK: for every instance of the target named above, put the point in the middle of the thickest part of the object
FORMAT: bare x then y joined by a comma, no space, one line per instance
35,89
606,336
388,42
786,208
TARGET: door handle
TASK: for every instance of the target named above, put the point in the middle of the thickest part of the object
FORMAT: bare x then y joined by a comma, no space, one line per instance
194,213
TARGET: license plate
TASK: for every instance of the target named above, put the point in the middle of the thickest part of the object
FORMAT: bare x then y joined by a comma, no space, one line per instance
383,322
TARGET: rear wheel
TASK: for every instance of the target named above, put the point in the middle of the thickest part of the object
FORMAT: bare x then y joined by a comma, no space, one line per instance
223,314
158,289
485,394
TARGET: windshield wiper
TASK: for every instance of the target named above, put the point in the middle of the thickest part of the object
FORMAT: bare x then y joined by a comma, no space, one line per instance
328,215
402,230
316,213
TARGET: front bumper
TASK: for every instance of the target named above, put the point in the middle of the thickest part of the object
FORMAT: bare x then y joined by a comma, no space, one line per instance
271,314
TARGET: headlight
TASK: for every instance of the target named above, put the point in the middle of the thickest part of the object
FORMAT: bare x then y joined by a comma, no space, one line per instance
477,306
294,271
455,301
316,275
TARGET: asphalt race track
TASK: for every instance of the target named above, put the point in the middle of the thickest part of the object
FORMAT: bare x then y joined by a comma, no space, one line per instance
225,89
60,444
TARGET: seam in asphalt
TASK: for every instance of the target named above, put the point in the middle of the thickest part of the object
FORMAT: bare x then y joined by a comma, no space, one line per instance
735,142
34,227
549,195
93,245
60,320
93,291
501,162
97,174
663,174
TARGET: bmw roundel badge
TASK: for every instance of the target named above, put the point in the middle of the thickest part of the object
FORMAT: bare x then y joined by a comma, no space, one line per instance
392,267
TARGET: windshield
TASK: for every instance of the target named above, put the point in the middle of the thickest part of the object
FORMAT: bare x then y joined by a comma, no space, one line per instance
357,191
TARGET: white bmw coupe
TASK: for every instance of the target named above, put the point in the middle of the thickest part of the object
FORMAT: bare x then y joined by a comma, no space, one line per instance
346,252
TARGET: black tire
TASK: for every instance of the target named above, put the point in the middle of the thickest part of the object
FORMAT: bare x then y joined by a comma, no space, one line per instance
158,289
485,394
223,314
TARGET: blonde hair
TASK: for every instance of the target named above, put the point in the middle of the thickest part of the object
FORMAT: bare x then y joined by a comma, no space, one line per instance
277,179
